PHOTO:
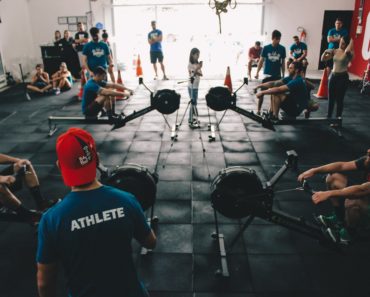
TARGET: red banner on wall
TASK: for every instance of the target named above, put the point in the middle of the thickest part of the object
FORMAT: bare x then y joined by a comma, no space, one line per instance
361,40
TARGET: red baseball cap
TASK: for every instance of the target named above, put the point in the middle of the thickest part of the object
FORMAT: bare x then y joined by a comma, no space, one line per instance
77,157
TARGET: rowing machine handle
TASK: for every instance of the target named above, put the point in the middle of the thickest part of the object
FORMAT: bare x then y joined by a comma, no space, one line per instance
306,187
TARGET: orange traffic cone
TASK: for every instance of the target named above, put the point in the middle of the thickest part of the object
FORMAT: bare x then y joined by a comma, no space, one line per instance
322,93
119,81
139,70
83,82
228,82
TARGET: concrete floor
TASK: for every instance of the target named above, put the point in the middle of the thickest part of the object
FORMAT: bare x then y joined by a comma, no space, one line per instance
269,260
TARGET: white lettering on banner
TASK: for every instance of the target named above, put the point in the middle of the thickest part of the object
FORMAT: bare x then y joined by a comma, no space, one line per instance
366,41
97,218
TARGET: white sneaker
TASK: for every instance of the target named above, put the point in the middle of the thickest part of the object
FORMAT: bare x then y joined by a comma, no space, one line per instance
57,91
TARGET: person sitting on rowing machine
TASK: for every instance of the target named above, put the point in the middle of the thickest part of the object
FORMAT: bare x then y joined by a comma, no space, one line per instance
351,215
98,95
10,182
290,94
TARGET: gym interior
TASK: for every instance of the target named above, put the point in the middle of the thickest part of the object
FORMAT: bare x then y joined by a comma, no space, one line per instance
238,194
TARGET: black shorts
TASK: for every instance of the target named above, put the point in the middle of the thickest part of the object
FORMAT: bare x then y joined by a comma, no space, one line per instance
290,107
154,56
17,185
40,84
93,109
290,60
271,78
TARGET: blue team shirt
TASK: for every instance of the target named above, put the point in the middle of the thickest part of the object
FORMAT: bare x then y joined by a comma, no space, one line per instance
333,32
298,92
274,57
91,90
156,46
297,49
97,54
90,233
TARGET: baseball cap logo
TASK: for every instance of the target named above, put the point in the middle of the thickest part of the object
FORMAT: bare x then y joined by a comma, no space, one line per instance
87,157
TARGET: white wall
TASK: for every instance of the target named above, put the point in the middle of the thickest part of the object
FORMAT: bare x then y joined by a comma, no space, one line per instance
16,36
27,24
282,15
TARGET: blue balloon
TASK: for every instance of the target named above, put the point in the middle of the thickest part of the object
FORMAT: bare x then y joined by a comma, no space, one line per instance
99,26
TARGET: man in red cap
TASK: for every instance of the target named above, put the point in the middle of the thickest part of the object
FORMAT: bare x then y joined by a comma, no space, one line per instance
91,229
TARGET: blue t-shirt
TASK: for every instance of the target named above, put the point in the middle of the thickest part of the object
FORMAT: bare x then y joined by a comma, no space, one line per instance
298,92
91,90
156,46
333,32
297,49
274,57
90,233
97,54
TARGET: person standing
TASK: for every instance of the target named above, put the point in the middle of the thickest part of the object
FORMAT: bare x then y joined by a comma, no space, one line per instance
339,78
90,231
333,38
155,38
254,55
81,38
110,68
195,72
273,58
96,53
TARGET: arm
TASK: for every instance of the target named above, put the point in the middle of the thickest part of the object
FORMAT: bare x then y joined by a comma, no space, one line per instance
267,85
110,92
283,68
327,55
34,79
329,168
5,159
45,77
47,279
352,192
304,55
275,90
260,64
150,241
349,48
85,65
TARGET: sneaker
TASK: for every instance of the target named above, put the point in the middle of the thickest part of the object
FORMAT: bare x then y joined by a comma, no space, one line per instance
28,96
35,217
339,236
155,77
57,91
329,221
115,119
165,78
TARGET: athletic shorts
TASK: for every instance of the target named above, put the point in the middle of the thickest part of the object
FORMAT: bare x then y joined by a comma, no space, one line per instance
17,185
271,78
290,60
290,107
154,56
93,109
40,84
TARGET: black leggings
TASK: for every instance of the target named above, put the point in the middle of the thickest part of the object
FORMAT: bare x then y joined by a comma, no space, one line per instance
338,84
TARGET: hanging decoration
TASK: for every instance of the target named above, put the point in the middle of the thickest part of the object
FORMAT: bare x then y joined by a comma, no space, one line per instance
221,6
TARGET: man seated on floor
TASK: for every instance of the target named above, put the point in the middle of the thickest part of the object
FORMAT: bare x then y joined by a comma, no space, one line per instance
90,231
9,184
351,215
40,82
290,94
98,94
62,79
298,53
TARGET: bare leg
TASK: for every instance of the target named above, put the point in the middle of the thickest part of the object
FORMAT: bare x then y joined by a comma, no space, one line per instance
259,103
8,199
49,86
35,89
276,103
155,69
163,69
111,74
249,68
